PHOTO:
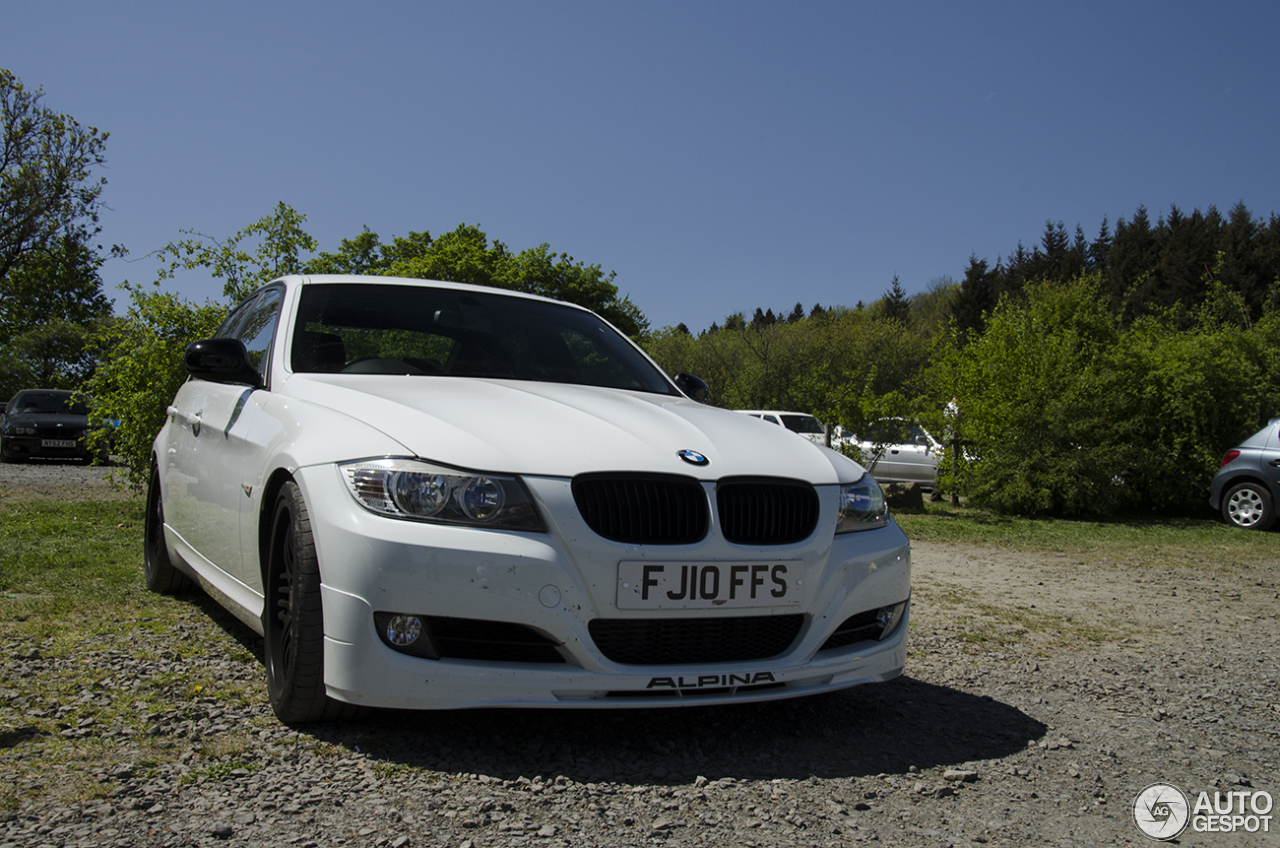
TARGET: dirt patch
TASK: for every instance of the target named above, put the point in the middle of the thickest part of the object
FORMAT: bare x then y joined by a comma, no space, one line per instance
49,480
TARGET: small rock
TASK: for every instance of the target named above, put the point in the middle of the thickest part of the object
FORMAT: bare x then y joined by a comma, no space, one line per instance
960,775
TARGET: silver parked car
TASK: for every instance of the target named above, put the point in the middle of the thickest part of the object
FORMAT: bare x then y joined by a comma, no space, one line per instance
1247,483
900,451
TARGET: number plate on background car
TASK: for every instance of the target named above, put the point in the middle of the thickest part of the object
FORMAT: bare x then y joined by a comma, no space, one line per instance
57,443
708,585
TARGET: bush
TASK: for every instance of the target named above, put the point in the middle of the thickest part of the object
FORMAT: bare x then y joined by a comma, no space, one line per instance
141,370
1069,413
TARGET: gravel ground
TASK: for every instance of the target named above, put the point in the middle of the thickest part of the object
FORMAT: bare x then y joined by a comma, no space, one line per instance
1041,695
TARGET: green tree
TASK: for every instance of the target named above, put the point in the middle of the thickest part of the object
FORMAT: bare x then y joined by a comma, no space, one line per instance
269,248
1072,412
140,370
47,188
50,290
51,305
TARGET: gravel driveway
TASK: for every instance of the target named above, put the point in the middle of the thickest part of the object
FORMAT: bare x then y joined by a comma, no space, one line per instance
1042,694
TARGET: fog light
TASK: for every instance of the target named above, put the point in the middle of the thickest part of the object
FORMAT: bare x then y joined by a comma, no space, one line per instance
889,618
403,630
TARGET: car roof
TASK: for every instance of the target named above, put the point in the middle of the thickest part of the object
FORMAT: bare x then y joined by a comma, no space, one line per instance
376,280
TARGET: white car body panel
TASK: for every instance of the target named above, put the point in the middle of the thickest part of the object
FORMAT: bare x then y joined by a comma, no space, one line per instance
215,486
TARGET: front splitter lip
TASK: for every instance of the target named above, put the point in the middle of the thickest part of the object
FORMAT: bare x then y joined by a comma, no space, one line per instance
403,682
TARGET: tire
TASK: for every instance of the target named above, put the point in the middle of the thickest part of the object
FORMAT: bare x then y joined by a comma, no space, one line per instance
159,570
292,618
1249,507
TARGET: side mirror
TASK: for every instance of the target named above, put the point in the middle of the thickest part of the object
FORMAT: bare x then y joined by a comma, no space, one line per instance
693,387
221,361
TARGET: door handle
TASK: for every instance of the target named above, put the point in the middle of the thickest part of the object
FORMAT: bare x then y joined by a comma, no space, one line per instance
1275,463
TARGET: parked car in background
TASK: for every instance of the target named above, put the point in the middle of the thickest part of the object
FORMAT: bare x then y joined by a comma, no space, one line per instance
900,451
797,422
44,424
1248,482
430,495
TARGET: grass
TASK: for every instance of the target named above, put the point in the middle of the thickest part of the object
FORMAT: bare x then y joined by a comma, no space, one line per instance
1139,541
92,659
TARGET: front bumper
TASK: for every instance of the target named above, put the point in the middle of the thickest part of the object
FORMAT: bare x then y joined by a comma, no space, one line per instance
35,447
556,583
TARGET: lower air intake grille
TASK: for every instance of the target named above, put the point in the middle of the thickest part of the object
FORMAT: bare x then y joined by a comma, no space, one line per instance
857,628
643,509
690,641
496,641
766,511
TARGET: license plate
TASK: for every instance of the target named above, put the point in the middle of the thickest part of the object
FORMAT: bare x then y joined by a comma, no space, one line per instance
708,585
57,443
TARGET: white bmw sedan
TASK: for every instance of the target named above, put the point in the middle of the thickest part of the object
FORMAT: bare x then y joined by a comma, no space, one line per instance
428,495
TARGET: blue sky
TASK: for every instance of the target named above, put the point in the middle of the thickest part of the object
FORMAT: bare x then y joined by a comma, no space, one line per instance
717,156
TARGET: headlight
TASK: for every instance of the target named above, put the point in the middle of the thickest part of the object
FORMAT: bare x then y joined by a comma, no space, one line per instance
862,506
418,491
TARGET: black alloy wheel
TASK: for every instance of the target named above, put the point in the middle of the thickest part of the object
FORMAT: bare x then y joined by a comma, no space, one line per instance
292,617
161,575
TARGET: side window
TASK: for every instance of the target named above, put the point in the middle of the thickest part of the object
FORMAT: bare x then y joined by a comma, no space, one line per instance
772,420
259,326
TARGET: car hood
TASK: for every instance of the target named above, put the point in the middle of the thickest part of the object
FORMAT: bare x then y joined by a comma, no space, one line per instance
561,430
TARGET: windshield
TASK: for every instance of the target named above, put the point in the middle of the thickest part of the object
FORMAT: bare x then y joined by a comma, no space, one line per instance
389,329
894,432
46,402
802,424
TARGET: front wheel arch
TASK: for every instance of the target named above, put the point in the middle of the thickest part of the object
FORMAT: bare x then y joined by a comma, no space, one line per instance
293,615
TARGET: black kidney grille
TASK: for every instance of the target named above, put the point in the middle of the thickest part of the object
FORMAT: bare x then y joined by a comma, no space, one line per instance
857,628
643,509
766,511
690,641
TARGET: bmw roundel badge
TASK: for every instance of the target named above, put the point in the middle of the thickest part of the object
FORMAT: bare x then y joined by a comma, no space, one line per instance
693,457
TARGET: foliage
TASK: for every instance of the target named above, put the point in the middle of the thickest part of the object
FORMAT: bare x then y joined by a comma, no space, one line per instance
47,190
847,367
50,291
1069,412
1143,268
56,354
141,370
263,251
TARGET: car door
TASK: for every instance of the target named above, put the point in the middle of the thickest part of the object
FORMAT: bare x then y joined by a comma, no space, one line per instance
916,458
211,435
1269,461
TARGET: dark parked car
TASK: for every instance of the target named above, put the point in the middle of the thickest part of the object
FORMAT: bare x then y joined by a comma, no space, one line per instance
48,423
1246,486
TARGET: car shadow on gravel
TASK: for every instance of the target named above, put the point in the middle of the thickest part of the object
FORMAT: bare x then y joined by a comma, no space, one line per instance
875,729
870,730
